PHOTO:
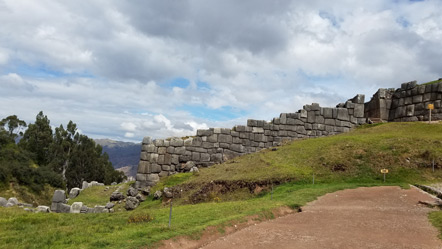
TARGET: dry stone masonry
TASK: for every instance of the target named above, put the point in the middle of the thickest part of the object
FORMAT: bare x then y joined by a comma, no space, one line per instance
163,157
408,103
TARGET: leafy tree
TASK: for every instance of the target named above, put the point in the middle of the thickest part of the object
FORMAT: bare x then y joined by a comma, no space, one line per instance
14,125
38,138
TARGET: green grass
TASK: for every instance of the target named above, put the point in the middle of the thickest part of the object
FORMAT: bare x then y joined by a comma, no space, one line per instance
345,161
436,219
431,82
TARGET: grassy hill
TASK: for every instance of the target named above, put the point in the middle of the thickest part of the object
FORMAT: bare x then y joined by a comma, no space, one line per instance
229,193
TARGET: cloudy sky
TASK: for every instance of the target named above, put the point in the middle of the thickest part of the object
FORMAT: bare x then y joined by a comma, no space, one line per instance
129,69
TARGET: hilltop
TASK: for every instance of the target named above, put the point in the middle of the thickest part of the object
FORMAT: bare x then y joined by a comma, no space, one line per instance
228,193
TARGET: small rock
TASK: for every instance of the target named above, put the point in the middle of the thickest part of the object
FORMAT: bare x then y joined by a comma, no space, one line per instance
167,193
131,203
109,205
111,210
132,192
157,195
99,209
42,209
189,165
9,204
145,191
114,183
83,209
141,197
28,210
194,169
64,208
116,196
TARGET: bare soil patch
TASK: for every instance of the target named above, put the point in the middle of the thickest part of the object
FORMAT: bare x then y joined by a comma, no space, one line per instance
377,217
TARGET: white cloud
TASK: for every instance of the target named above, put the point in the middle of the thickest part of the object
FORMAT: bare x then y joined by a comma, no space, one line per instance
106,64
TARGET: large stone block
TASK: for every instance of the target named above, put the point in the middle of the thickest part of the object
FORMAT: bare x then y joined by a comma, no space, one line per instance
417,99
342,114
196,156
59,196
76,207
74,193
176,142
303,113
359,99
141,177
252,122
327,112
147,140
204,132
204,157
180,150
144,156
155,168
164,150
311,117
258,130
359,111
410,110
222,138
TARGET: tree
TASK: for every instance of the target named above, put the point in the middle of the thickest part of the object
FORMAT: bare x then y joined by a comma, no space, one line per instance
13,125
38,138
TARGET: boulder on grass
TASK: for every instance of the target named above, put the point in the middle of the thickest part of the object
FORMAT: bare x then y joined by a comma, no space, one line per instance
157,195
131,203
74,193
145,191
76,207
99,209
3,202
116,196
167,193
13,201
132,192
109,205
59,196
42,209
141,197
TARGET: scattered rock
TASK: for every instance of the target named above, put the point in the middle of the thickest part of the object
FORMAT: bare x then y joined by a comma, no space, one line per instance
132,192
9,204
28,210
141,197
13,201
64,208
3,202
157,195
111,210
99,209
189,165
114,183
167,193
116,196
131,203
74,193
145,191
76,207
109,205
42,209
106,189
194,169
59,196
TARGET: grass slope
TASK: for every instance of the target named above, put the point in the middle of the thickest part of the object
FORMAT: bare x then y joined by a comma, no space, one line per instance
338,162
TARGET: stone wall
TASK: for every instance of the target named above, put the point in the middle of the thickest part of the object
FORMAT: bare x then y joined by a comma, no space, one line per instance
164,157
408,103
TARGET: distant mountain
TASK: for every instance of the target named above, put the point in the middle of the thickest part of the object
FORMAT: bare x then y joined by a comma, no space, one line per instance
122,154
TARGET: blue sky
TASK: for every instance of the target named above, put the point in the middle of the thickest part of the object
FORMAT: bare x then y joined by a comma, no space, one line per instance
129,69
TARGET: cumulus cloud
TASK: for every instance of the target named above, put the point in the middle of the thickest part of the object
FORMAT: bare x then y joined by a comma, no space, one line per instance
110,66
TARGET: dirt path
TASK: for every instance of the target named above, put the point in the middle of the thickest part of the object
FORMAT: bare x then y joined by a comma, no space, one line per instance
379,217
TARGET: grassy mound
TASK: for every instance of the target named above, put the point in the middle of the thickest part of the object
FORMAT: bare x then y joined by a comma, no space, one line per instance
241,188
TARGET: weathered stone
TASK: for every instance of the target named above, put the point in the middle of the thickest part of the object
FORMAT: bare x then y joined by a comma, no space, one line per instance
74,193
76,207
213,138
131,203
342,114
176,142
163,173
85,185
222,138
116,196
410,110
256,130
13,201
194,169
157,195
359,111
167,193
141,198
109,205
59,196
143,168
155,168
132,192
3,202
204,133
100,209
417,99
147,140
42,209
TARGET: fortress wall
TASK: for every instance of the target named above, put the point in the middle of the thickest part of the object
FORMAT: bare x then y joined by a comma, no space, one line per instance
164,157
407,103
